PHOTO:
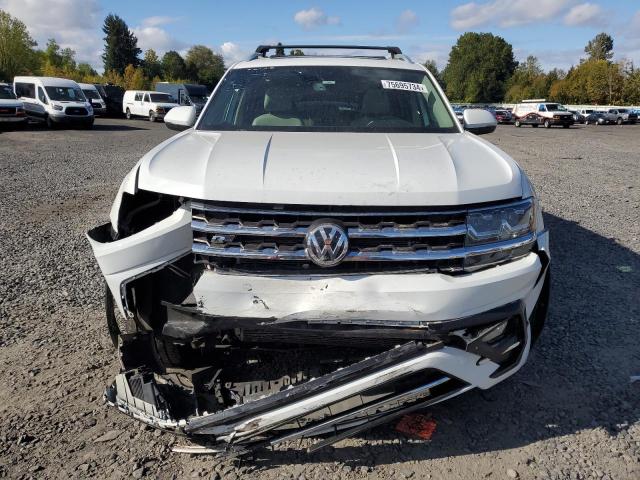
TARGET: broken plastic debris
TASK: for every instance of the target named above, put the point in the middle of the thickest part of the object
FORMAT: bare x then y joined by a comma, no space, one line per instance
417,425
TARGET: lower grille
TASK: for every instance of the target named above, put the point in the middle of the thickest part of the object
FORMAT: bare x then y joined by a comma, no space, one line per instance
7,110
75,111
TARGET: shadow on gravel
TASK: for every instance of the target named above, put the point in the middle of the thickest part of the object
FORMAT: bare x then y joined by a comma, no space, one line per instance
115,127
577,377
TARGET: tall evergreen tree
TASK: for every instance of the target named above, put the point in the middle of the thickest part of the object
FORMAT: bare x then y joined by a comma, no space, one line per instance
600,47
173,66
120,45
479,66
204,66
151,64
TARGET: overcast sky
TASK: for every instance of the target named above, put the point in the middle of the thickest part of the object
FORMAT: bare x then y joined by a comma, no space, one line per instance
553,30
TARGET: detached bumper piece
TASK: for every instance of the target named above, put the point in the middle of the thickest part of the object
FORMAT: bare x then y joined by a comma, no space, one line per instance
256,397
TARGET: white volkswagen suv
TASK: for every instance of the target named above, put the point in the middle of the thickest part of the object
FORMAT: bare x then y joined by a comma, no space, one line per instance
324,250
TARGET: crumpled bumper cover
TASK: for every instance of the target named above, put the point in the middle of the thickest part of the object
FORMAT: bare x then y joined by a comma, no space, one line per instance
476,351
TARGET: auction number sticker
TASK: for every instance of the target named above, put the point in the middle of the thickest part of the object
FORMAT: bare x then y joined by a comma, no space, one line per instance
398,85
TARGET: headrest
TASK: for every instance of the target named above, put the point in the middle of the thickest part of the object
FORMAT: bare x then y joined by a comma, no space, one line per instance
277,101
375,102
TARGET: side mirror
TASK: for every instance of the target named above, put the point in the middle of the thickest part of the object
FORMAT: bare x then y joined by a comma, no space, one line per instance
180,118
478,121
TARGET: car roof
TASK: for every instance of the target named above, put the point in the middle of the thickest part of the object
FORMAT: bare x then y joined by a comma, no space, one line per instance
48,81
329,61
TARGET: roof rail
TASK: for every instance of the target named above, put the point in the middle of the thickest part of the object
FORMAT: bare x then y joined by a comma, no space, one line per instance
263,49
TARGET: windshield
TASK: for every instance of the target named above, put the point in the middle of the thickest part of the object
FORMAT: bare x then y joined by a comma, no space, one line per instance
556,107
198,98
622,110
320,98
65,94
92,94
162,98
6,93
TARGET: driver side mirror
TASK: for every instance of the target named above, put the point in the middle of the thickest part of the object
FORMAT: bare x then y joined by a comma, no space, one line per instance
478,121
180,118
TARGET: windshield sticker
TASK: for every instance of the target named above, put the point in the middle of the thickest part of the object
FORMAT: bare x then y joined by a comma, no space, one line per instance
397,85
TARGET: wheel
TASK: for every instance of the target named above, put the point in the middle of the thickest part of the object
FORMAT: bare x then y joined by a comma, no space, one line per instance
128,114
619,121
152,116
547,124
517,123
586,122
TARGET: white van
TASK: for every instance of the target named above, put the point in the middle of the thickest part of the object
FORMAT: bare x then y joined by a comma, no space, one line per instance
54,101
97,102
143,103
11,109
541,112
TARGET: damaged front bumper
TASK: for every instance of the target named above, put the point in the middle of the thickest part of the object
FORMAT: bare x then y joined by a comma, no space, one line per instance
243,361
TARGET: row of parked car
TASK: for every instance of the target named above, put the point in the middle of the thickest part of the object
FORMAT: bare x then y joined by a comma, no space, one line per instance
542,113
59,101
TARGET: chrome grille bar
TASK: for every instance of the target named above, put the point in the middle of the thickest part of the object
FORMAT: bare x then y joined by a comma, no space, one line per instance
356,232
270,253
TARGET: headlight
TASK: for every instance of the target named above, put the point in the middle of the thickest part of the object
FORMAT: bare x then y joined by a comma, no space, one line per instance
500,223
509,227
58,107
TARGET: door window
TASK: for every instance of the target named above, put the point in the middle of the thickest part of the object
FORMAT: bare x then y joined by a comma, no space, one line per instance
27,90
542,108
146,97
138,97
42,97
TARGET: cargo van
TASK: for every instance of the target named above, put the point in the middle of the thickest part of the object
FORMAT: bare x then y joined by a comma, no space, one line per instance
11,109
93,96
54,101
142,103
112,96
185,93
541,112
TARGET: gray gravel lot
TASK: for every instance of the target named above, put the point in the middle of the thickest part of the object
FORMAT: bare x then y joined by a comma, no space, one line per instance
571,412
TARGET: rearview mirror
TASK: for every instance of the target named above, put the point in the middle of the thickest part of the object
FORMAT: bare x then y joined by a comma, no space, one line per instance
479,121
180,118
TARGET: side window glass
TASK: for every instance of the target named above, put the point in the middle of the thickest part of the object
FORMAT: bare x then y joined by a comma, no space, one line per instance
42,97
146,97
542,108
138,97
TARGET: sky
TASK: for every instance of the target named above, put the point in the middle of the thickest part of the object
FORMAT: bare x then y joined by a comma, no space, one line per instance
555,31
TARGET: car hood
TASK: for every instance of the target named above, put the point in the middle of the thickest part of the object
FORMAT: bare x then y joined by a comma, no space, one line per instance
9,102
331,168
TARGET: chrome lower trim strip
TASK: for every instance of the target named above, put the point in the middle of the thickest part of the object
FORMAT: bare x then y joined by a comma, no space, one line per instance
356,256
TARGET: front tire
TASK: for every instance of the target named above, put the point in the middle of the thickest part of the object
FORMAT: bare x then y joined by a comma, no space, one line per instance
152,116
547,124
619,121
517,123
128,114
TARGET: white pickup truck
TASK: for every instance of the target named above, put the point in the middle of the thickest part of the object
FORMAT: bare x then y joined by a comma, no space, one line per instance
323,249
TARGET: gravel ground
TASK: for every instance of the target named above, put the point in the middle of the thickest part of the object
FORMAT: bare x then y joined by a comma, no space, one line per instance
571,412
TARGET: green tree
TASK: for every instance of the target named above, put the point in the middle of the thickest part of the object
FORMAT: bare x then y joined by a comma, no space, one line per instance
134,78
173,66
296,52
204,66
86,70
600,47
17,53
151,64
120,45
478,69
61,58
433,68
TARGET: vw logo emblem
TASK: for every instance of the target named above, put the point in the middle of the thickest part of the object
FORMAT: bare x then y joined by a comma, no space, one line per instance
326,244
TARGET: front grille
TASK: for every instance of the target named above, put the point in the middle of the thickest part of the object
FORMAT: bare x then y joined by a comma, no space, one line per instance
271,239
75,111
7,110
